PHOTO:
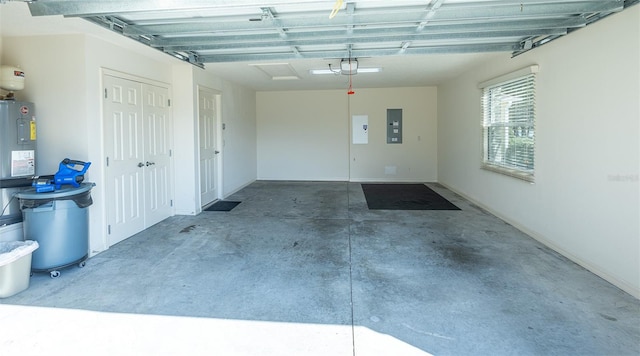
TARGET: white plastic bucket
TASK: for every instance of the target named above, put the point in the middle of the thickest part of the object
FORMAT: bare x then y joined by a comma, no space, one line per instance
15,266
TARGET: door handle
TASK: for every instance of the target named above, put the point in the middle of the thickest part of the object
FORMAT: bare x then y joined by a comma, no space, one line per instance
216,152
140,164
150,163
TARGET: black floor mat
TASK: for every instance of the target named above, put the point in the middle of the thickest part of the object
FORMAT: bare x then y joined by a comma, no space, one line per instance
404,197
223,206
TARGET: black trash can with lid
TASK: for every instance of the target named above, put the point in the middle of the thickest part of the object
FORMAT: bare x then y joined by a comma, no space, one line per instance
59,222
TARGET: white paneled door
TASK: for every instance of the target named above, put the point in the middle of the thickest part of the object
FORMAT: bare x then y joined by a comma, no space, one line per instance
137,121
157,153
208,123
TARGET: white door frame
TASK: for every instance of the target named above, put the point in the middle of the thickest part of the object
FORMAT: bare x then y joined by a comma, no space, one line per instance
171,184
218,142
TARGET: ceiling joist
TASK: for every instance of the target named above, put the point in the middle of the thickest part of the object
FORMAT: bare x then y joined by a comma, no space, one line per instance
207,31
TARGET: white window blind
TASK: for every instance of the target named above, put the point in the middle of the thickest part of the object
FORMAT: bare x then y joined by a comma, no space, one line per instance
509,125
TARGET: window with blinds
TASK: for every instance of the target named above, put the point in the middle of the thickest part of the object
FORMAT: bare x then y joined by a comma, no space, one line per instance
509,126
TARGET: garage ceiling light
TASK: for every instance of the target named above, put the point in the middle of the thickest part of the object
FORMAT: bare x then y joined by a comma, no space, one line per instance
332,71
347,67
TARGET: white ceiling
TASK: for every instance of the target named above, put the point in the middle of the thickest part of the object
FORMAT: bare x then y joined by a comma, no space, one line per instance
397,71
244,40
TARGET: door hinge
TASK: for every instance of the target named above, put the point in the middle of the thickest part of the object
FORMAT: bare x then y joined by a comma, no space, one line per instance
170,153
108,229
105,93
169,102
107,161
171,202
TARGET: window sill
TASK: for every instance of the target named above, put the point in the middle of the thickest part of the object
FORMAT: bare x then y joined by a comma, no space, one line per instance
514,173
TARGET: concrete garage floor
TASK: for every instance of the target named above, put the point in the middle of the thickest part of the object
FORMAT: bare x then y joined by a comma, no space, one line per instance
306,269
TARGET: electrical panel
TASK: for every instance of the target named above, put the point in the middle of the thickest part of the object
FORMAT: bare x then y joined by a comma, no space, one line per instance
394,125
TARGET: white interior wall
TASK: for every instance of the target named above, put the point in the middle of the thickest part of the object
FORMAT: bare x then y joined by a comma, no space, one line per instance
67,91
239,138
585,200
415,159
58,90
302,135
1,41
60,114
306,135
238,148
64,80
185,129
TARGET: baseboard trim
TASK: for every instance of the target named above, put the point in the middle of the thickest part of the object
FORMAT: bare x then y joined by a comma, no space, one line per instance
325,179
386,180
226,195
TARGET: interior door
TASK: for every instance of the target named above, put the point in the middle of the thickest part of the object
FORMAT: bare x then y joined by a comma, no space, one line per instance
157,154
208,121
124,150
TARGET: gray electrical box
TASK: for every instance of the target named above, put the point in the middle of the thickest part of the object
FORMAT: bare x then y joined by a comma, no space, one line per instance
394,125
